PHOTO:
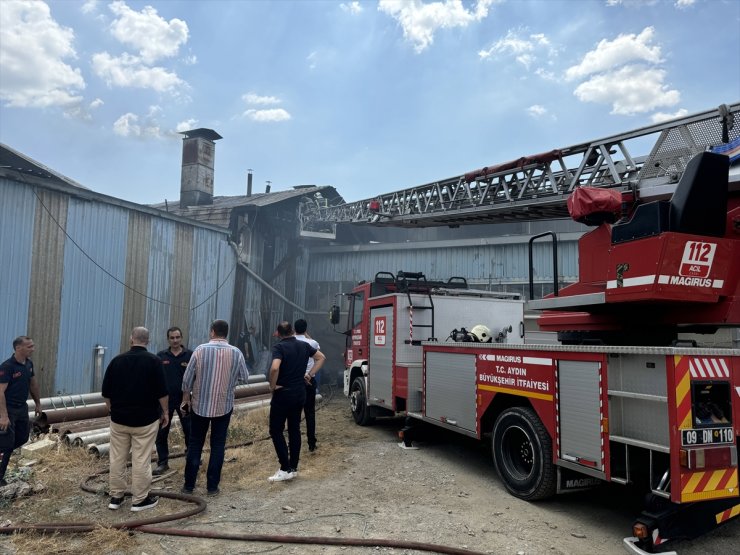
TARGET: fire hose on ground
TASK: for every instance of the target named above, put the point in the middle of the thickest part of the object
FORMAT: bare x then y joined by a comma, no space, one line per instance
148,525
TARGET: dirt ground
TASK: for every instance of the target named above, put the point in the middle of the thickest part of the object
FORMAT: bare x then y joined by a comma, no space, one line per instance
358,484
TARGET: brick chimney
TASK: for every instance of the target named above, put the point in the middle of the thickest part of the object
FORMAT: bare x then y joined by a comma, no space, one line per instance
198,156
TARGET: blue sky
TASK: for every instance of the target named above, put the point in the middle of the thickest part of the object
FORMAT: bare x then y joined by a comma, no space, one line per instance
369,97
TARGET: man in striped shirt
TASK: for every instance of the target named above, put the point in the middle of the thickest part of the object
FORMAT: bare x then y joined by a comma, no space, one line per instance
208,393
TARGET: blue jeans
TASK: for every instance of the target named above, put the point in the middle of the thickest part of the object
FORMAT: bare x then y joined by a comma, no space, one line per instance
198,430
286,406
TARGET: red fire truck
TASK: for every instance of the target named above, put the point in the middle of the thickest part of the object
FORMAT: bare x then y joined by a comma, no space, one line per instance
618,398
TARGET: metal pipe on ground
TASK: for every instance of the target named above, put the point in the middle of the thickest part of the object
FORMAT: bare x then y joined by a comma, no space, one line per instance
66,428
102,437
71,439
101,450
84,399
257,386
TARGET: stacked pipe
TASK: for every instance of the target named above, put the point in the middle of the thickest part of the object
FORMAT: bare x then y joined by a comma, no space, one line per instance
84,422
91,405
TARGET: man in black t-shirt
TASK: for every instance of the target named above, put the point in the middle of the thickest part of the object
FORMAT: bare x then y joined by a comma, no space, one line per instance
16,380
288,379
136,394
174,361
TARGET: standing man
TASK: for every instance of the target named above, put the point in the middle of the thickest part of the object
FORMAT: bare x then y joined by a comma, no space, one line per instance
135,391
16,380
208,393
288,379
174,361
309,407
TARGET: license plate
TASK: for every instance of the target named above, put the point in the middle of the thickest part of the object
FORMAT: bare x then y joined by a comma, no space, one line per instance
706,436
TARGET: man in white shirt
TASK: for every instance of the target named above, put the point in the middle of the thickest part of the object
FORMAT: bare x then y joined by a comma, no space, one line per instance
309,408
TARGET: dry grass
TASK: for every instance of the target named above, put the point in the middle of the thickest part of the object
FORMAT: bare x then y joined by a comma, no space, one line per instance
100,540
249,461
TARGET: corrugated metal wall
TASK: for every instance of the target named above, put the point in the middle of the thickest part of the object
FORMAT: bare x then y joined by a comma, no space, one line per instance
16,244
497,264
92,293
212,288
86,269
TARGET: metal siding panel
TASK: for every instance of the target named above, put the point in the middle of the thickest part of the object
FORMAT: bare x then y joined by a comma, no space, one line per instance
16,252
379,382
182,274
580,425
160,278
227,263
506,263
46,284
139,236
92,293
212,277
450,391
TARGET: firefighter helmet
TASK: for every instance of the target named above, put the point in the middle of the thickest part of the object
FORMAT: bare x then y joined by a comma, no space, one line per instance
481,333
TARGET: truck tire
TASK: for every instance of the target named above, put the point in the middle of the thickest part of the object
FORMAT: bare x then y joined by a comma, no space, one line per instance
522,454
358,402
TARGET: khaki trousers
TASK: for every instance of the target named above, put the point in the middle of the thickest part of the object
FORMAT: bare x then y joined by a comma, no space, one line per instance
140,442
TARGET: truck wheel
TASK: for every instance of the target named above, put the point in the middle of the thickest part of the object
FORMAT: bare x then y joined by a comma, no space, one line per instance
522,454
358,402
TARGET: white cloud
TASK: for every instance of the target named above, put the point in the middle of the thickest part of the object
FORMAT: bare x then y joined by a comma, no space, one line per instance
526,50
626,73
128,125
128,71
151,35
33,47
186,125
420,21
253,98
89,6
273,114
660,117
351,7
623,49
80,112
311,59
536,110
680,4
630,89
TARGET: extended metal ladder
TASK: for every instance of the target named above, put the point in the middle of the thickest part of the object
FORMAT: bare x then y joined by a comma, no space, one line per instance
536,187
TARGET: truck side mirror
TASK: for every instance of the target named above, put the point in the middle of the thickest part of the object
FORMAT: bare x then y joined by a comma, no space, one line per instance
334,314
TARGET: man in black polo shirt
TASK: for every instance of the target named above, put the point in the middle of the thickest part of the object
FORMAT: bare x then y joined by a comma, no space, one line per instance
136,394
16,380
288,379
174,361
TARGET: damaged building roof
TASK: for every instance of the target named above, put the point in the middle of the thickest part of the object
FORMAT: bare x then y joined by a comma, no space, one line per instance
17,163
219,213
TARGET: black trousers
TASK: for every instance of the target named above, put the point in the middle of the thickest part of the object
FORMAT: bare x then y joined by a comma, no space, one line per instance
286,406
309,410
163,449
20,427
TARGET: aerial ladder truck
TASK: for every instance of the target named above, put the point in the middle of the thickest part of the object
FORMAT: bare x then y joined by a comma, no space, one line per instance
619,397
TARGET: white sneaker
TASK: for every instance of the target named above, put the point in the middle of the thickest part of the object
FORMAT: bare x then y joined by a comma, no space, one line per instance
281,476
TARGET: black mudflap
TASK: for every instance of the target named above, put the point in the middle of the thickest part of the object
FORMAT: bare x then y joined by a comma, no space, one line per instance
669,521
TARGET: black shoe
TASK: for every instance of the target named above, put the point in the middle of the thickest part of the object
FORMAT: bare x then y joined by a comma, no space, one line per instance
161,469
115,503
3,483
186,490
213,492
148,503
312,447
